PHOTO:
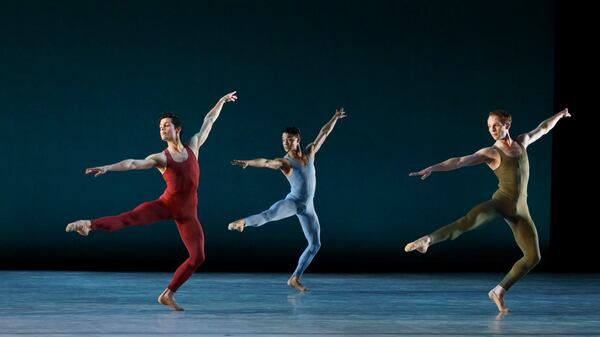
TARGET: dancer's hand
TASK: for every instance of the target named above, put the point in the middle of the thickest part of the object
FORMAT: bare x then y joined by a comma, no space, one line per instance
565,113
423,173
241,163
230,97
340,113
97,171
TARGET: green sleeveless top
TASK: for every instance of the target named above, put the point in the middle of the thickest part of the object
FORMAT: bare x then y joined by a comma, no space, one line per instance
513,175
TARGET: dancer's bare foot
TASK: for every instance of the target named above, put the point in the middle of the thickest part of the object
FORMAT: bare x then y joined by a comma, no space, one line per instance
237,225
166,298
497,296
83,227
294,282
420,245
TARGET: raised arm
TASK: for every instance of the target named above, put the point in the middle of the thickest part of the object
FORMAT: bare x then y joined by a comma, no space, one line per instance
153,160
486,155
313,147
527,138
275,164
199,138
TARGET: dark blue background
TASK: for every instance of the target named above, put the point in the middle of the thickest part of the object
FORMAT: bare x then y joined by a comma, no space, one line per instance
84,82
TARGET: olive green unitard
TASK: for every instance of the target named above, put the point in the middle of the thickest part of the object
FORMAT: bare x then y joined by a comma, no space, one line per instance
509,202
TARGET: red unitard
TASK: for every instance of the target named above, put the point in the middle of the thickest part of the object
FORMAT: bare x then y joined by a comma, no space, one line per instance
178,202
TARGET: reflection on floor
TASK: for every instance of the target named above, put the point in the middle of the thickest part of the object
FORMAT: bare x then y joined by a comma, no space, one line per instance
36,303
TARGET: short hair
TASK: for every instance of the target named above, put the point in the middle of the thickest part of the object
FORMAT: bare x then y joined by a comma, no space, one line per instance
174,119
292,130
505,117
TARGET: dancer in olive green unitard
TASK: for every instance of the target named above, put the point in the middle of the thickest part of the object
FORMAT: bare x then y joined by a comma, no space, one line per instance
508,159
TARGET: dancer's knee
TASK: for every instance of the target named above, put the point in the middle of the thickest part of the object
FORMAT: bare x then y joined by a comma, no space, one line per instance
314,247
531,260
197,260
268,215
130,219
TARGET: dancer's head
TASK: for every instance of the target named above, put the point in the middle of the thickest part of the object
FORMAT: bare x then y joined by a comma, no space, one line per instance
170,126
291,138
498,122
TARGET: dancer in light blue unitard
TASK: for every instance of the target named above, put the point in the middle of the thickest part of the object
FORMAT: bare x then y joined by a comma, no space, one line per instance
299,169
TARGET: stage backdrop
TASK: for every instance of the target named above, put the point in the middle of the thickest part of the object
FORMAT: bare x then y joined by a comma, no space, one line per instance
83,84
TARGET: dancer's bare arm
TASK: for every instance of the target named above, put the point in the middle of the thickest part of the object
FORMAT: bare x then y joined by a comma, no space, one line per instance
199,138
154,160
527,138
486,155
275,164
313,147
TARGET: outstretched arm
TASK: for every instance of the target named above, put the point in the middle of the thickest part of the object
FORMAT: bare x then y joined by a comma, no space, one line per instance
199,138
313,147
275,164
153,160
486,155
527,138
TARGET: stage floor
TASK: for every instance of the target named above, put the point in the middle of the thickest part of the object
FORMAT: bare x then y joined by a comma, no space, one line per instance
217,304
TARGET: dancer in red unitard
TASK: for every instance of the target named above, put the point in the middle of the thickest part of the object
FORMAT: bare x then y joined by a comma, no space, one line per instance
179,167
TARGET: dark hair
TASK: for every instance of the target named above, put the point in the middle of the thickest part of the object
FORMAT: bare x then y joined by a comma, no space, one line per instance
505,117
174,119
292,130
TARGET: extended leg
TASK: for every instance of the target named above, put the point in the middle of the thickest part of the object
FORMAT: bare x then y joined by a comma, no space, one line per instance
144,214
480,214
280,210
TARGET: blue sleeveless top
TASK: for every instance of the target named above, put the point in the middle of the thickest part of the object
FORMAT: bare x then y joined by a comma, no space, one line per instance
303,180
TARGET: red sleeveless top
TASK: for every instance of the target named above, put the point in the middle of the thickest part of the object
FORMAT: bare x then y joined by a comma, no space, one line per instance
181,193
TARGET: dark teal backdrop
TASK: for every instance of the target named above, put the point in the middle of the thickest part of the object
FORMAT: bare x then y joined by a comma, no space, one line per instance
84,82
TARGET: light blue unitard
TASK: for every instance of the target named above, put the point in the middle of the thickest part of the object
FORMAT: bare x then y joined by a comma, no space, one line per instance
298,202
